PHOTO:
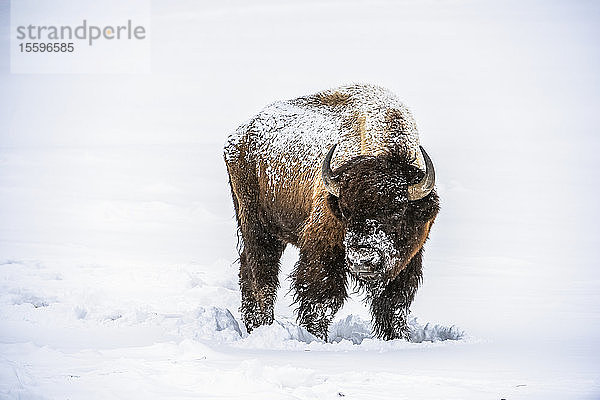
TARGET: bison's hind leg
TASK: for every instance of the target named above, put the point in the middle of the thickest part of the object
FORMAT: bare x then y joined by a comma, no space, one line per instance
259,249
259,281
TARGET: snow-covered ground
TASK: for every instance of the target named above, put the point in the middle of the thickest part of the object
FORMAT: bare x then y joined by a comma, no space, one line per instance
117,238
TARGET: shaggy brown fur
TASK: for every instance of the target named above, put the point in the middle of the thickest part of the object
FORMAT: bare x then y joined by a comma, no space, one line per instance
333,99
396,121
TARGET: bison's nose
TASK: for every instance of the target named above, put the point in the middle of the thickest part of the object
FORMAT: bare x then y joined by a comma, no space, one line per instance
363,259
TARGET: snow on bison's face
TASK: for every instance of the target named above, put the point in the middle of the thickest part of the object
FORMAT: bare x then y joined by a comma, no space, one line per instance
387,206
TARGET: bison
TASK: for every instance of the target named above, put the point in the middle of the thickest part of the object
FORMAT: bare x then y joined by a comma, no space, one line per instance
340,175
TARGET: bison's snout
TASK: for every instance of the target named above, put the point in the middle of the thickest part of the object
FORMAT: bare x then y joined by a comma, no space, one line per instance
363,260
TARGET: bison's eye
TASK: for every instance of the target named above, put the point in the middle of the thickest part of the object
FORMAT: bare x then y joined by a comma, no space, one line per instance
346,213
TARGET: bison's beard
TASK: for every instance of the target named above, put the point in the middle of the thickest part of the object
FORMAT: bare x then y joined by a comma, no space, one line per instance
371,254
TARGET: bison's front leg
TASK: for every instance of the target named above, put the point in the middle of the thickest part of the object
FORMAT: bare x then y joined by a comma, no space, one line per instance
319,281
390,305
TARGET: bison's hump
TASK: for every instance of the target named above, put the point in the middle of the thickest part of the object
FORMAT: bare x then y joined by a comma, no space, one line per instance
361,118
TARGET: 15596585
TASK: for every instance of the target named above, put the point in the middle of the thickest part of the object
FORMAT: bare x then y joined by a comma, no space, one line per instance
46,47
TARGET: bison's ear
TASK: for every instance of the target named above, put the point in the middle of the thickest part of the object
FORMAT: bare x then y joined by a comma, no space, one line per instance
334,206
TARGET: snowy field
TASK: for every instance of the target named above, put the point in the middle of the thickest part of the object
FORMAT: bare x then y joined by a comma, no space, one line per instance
118,275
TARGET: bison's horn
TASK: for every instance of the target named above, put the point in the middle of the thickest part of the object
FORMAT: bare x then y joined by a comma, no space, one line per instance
423,188
329,180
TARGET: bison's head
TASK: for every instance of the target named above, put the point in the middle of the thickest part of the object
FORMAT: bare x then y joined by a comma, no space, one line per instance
387,206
